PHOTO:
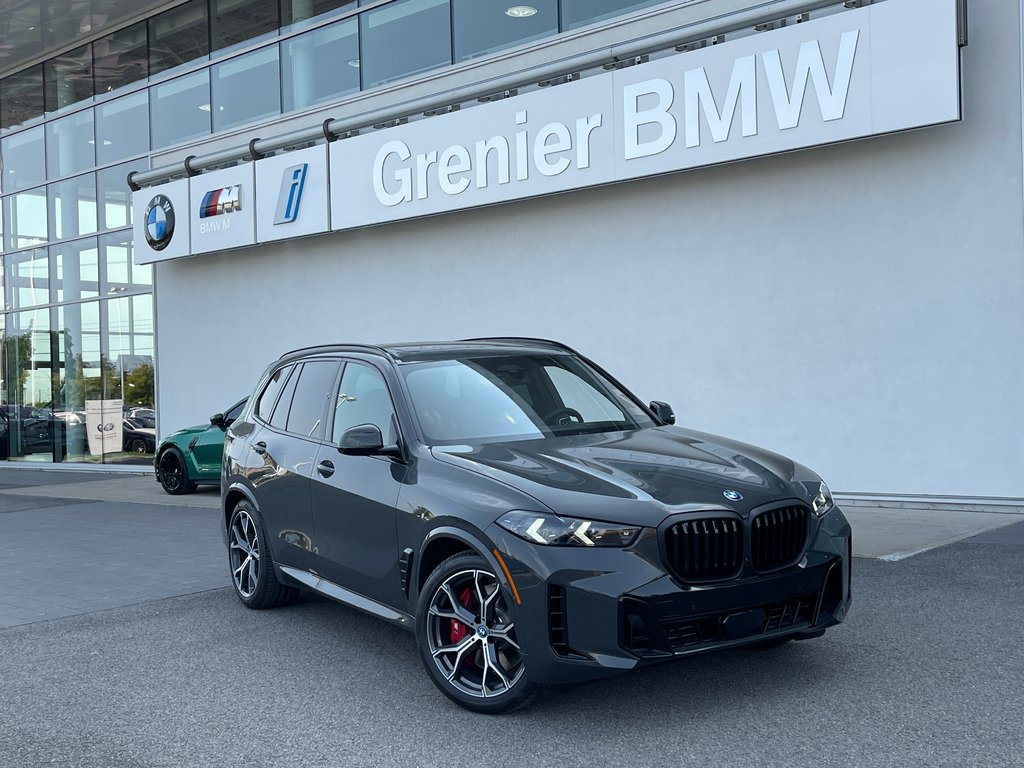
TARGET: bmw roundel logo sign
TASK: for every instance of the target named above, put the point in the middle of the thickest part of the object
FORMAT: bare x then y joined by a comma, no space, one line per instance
159,222
732,495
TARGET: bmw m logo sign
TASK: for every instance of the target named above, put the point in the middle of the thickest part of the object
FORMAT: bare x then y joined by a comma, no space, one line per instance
218,201
733,495
159,222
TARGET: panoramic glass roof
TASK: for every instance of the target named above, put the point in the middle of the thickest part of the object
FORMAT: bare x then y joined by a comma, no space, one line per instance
29,28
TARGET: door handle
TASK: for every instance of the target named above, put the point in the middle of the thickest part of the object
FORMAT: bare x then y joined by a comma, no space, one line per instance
325,468
260,447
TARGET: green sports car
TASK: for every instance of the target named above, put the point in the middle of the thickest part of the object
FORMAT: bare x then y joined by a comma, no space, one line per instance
190,457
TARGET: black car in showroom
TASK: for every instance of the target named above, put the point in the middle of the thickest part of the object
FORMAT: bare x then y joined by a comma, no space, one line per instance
523,513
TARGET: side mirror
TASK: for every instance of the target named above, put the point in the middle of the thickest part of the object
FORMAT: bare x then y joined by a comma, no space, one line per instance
218,420
366,440
663,412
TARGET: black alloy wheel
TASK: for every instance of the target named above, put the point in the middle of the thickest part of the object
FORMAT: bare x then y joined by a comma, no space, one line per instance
137,445
252,569
173,475
467,637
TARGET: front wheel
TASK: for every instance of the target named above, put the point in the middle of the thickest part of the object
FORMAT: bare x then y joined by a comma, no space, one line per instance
173,474
467,637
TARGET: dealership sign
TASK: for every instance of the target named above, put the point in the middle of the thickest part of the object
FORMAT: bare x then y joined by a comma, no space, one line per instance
887,67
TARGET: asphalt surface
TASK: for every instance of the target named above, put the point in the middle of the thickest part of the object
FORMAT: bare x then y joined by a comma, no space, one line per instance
928,670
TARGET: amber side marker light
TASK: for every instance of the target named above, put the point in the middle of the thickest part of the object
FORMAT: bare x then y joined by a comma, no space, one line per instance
501,562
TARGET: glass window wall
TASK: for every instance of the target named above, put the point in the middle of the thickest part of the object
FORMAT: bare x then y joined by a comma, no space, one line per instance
178,36
26,419
320,65
70,144
67,79
114,196
120,59
119,273
27,278
24,160
246,88
72,207
578,13
486,26
83,375
25,219
122,128
239,21
180,109
21,97
299,13
76,270
404,38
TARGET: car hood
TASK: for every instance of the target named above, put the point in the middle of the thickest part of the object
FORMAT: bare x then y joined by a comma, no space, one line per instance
188,431
639,476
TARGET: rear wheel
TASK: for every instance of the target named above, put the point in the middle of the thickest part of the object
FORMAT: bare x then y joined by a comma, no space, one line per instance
252,569
173,474
467,637
137,445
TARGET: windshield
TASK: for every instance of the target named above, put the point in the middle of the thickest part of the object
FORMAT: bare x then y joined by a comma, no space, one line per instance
515,397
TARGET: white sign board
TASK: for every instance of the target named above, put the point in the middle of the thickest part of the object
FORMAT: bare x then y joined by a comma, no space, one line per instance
223,209
104,422
883,68
300,205
887,67
160,222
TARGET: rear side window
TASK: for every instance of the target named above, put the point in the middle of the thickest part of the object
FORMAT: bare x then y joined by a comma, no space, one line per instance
280,416
309,403
268,397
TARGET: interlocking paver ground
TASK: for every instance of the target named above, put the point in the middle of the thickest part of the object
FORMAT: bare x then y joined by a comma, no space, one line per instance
62,557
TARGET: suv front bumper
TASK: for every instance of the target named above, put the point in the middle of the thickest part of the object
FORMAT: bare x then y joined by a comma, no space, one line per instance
587,613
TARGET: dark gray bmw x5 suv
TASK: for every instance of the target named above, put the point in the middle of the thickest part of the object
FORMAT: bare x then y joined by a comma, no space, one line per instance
522,512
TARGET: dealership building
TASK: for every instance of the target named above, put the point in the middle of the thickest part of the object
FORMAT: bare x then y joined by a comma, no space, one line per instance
800,222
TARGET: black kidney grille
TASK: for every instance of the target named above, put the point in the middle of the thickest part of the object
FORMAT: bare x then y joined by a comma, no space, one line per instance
705,549
778,536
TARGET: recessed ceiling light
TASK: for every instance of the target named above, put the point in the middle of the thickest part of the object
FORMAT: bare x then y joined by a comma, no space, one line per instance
204,107
520,11
106,142
354,63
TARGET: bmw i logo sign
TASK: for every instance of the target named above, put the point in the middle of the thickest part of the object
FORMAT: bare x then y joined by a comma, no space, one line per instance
732,495
159,222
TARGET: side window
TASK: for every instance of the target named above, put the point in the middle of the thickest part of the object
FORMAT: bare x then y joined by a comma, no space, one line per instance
312,393
284,402
577,394
265,407
363,398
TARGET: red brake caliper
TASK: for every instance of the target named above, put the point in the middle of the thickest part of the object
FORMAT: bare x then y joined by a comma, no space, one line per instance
460,630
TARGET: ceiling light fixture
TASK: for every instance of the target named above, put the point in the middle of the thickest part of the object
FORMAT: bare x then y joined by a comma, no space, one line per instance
354,63
204,107
520,11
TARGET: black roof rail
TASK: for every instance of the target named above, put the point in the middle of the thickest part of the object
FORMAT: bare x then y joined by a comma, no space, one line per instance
531,339
372,348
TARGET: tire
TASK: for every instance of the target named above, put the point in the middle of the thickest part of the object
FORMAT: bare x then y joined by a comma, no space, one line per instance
250,563
137,445
173,474
482,670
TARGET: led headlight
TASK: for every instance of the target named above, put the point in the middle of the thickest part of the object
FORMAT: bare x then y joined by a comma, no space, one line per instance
822,501
539,528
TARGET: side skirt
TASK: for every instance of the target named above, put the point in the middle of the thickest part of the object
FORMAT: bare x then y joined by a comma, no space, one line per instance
350,598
